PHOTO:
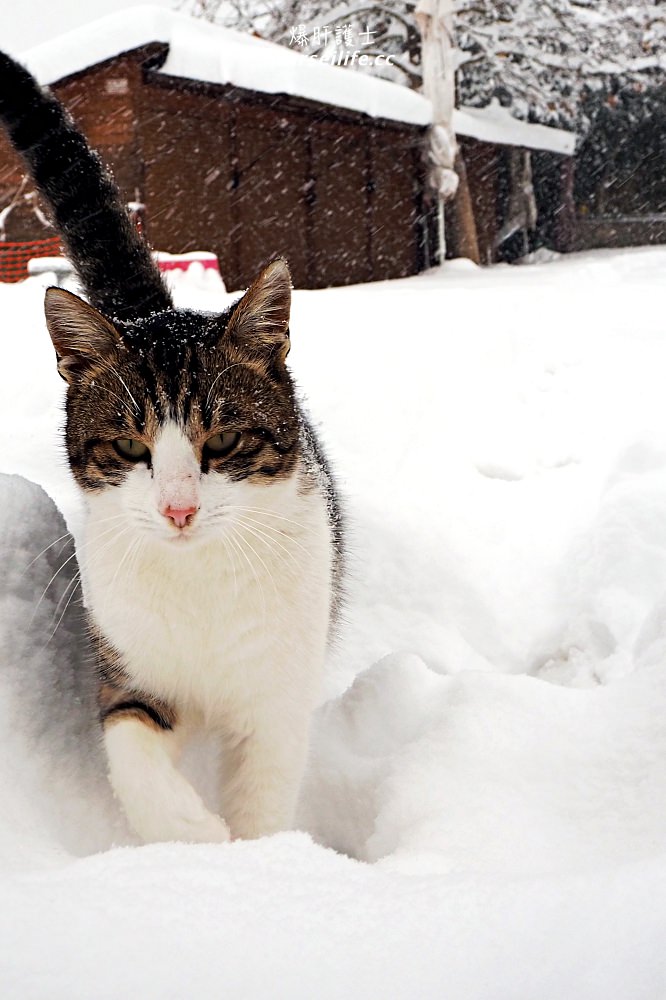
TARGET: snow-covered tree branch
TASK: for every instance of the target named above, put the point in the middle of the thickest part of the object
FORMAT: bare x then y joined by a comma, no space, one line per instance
541,58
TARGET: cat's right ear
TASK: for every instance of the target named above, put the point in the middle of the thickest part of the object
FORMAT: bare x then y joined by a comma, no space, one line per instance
259,321
81,335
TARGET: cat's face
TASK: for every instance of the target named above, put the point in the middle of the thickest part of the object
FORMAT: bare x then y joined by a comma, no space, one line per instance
180,422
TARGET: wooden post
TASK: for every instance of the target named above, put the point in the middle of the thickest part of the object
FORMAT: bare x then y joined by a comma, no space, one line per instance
466,242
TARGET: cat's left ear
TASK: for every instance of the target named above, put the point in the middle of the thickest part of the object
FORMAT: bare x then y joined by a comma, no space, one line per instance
81,335
260,319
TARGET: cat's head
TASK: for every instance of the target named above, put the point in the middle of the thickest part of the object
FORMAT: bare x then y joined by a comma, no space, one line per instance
179,419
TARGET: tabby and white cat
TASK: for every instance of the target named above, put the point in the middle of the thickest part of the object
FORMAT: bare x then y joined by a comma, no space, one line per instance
212,547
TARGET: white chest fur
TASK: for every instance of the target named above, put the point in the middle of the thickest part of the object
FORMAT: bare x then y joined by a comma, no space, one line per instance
219,624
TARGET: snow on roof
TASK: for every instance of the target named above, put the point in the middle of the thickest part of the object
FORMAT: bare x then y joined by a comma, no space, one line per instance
496,124
202,51
199,50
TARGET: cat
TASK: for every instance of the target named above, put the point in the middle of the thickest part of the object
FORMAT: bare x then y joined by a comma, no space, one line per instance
212,553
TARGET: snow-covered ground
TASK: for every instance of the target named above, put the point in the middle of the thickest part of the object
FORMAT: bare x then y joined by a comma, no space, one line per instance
486,802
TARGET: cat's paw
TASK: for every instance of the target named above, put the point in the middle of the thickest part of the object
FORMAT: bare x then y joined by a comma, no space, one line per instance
210,829
190,826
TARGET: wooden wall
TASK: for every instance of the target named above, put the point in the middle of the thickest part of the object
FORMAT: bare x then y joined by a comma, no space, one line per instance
340,200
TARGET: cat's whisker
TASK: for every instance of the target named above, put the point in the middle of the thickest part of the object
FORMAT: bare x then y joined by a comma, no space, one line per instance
75,580
45,550
46,588
111,517
138,548
132,548
268,513
93,555
71,598
259,557
62,566
86,547
277,533
229,550
237,364
108,543
112,523
234,546
269,542
239,545
263,541
248,513
107,366
231,509
114,395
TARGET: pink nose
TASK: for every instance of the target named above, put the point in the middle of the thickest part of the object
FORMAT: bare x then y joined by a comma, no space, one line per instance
180,515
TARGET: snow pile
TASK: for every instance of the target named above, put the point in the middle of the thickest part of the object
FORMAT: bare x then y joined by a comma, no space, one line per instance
51,765
478,773
490,762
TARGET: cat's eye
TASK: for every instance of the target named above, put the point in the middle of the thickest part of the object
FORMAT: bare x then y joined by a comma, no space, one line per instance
220,445
133,450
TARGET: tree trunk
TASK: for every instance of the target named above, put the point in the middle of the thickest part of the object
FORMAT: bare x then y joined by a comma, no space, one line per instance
464,240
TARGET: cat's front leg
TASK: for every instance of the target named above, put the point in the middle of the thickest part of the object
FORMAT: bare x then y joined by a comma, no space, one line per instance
160,804
263,773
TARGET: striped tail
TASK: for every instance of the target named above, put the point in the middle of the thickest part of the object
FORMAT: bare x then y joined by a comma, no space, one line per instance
113,261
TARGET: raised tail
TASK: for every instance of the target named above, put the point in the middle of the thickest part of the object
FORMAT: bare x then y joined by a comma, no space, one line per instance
113,261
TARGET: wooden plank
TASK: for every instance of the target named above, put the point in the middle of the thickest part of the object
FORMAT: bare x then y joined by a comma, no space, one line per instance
340,215
395,201
270,177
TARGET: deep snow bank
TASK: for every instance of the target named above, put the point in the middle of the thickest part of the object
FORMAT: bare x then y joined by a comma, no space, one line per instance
52,775
495,736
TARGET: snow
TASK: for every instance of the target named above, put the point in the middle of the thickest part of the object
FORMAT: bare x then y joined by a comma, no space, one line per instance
484,814
25,25
497,125
199,50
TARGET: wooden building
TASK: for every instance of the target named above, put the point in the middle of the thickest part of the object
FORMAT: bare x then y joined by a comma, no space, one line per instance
233,146
516,189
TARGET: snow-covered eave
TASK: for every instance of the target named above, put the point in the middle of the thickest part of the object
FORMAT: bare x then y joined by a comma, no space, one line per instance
198,50
497,125
210,54
94,43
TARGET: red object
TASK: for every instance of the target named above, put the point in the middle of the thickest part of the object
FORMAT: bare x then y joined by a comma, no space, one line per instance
181,262
14,257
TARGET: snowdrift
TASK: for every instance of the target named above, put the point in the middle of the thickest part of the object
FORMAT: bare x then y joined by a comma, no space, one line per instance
484,814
